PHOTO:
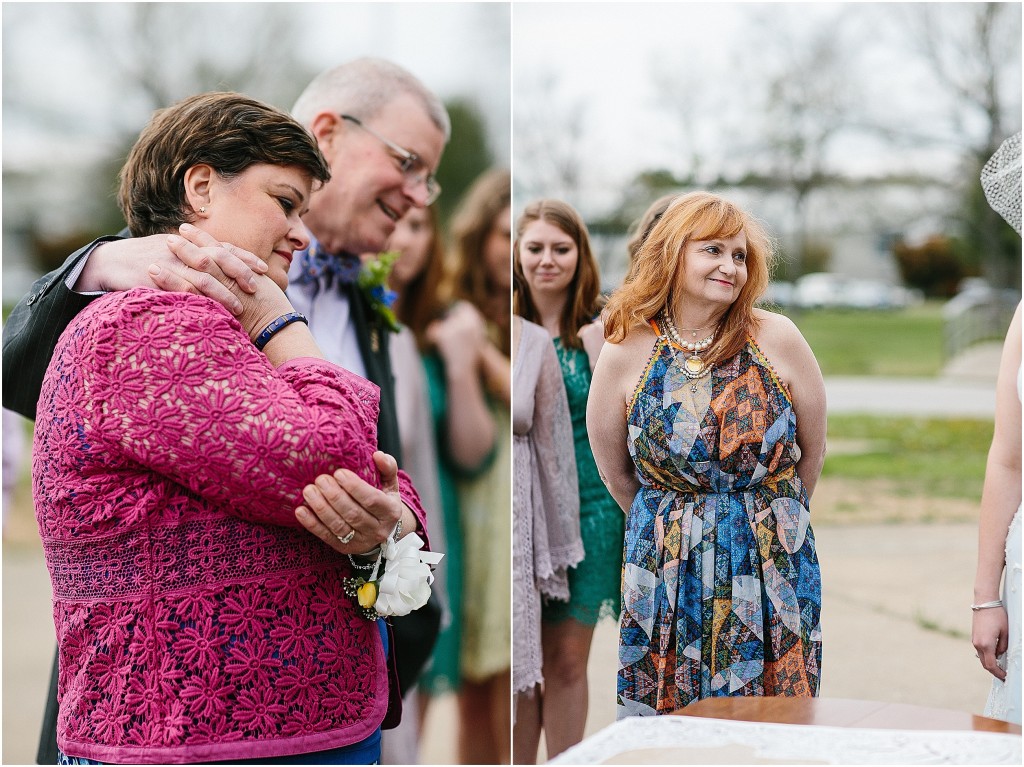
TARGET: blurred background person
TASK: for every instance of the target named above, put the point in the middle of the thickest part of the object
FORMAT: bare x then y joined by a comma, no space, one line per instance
707,418
14,457
546,538
441,442
996,624
558,288
15,450
642,227
481,277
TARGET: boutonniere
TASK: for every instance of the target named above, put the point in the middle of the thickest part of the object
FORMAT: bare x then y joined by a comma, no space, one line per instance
373,281
401,585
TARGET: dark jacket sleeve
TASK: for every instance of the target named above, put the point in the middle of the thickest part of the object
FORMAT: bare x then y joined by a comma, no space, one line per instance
32,330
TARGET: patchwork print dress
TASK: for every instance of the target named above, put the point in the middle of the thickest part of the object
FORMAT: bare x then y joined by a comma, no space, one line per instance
720,581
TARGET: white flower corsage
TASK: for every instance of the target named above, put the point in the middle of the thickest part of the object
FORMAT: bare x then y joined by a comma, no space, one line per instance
404,584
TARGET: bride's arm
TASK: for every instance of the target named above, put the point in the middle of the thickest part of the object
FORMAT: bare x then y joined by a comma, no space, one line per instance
1000,498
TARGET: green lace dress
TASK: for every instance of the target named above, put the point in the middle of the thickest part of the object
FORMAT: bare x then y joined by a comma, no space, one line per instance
595,583
442,674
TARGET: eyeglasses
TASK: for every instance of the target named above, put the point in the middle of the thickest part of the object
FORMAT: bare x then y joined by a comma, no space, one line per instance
408,162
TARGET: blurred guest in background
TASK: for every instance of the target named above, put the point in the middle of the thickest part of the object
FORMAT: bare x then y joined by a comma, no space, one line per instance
642,227
14,458
481,279
997,620
558,288
439,439
707,419
546,538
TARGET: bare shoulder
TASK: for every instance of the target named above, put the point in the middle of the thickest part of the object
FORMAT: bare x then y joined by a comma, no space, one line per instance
776,332
775,327
783,344
636,346
622,363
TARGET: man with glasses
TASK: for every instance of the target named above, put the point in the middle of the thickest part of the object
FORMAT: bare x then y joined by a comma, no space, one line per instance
382,132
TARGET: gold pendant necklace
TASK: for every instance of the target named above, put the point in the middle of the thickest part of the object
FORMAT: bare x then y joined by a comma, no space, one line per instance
693,365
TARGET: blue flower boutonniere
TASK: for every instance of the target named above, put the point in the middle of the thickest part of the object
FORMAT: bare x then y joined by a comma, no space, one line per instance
373,281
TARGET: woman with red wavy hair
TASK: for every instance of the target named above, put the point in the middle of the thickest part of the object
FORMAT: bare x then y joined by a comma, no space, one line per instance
707,420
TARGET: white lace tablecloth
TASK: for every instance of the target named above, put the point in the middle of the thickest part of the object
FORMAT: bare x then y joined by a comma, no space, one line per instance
696,740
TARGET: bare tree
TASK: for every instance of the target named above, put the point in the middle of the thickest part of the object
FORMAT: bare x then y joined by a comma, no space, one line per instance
973,50
162,52
548,130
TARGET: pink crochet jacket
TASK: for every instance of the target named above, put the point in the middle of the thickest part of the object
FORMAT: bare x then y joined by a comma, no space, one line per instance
196,619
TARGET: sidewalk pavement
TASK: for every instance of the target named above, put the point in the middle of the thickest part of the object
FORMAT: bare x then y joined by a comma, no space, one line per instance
939,398
896,620
965,389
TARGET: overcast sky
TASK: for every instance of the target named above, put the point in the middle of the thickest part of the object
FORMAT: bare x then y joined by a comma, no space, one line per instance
457,49
610,62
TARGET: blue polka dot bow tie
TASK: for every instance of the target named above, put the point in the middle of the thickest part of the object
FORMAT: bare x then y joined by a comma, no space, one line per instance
315,263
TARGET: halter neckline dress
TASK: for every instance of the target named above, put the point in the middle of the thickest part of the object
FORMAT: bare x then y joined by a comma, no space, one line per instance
721,586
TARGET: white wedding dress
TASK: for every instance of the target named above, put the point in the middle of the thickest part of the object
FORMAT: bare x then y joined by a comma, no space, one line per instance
1004,702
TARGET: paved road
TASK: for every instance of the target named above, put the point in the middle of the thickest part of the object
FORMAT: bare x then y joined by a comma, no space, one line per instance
942,397
966,388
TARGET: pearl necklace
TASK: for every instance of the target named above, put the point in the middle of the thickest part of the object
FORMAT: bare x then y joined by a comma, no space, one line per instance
693,367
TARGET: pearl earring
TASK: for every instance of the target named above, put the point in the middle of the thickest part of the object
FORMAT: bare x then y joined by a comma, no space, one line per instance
202,209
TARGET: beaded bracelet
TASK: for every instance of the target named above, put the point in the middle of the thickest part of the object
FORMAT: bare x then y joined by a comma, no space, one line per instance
369,566
285,319
986,605
395,534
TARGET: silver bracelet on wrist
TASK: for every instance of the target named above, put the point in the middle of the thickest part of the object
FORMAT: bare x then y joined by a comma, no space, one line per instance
371,553
986,605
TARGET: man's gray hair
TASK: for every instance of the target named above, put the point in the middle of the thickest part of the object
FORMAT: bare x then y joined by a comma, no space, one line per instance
362,88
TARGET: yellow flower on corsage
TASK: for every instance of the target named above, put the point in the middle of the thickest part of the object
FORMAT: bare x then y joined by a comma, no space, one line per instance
367,594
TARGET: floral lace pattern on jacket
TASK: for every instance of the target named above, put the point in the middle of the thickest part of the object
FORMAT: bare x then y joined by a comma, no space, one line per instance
196,619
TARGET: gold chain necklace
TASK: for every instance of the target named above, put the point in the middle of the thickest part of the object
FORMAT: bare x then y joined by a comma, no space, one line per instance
693,367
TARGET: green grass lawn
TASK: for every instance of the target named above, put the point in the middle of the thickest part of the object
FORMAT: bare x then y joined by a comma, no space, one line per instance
908,342
920,456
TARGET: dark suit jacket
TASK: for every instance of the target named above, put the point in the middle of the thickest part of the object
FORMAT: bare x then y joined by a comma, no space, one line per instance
32,330
374,338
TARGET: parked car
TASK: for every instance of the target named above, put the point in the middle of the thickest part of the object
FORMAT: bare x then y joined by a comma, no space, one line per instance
779,294
820,290
974,292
